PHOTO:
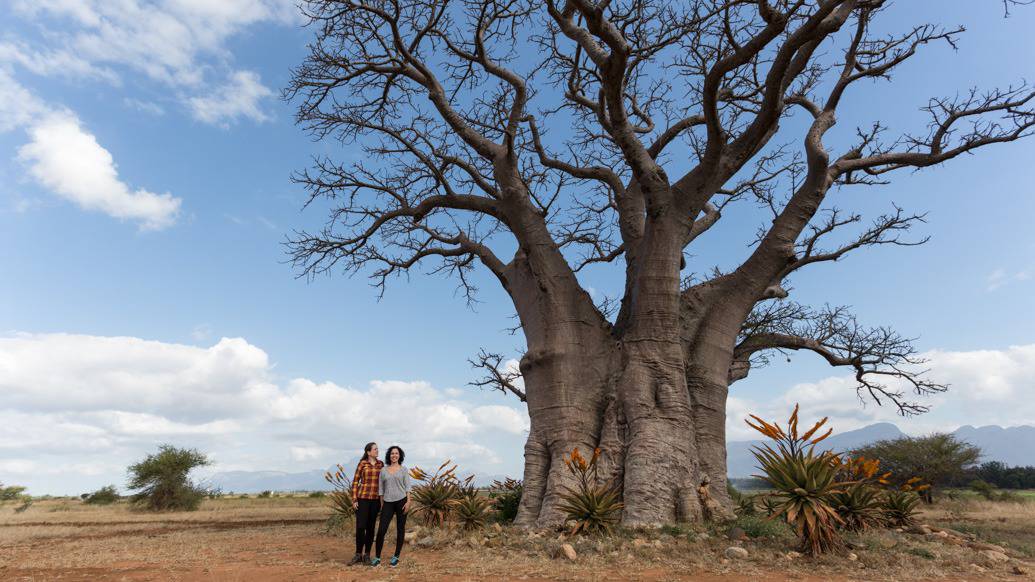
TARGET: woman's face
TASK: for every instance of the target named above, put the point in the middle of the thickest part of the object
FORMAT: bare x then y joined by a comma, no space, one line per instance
373,451
394,456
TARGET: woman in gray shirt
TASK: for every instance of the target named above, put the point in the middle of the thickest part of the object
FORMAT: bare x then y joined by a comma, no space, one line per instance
394,488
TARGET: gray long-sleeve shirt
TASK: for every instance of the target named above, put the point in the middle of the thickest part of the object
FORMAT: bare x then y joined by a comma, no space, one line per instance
394,487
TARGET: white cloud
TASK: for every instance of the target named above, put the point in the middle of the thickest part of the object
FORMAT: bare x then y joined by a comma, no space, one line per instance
1001,277
18,106
148,107
67,160
110,399
986,387
163,40
502,418
51,62
238,98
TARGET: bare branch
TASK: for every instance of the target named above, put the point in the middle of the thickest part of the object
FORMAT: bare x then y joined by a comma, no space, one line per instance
498,375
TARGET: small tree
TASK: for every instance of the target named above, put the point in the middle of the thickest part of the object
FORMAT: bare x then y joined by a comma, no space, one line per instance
11,493
935,459
163,482
103,496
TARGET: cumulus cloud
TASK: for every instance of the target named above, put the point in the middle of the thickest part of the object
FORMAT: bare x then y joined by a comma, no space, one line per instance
163,39
985,387
238,98
67,160
110,399
178,43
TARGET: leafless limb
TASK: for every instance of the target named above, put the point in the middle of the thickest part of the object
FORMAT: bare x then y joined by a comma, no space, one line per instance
877,355
497,375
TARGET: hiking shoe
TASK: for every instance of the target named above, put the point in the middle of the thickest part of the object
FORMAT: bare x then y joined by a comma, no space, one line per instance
375,561
357,559
394,561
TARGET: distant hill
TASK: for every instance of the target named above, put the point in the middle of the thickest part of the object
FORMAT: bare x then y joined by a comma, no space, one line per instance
1014,446
258,481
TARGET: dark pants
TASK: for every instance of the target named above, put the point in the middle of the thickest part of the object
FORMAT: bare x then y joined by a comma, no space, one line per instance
389,509
366,518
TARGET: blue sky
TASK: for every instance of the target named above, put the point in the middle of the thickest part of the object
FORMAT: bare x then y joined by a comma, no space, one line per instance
145,159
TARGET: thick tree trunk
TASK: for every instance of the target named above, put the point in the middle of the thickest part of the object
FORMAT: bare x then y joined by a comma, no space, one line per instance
659,422
662,443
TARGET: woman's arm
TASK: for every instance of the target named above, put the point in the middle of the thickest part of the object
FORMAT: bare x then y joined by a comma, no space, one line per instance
355,485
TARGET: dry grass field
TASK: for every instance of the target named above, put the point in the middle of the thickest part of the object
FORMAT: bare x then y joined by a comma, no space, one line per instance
285,538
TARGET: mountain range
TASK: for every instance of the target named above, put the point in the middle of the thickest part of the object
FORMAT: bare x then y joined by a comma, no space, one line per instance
1014,446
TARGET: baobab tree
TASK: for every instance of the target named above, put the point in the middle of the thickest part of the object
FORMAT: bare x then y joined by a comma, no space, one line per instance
534,139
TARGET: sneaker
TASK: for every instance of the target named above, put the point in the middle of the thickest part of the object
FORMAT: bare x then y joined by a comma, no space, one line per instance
357,559
394,561
375,561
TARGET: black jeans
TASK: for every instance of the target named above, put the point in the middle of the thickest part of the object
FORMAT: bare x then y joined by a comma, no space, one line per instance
366,518
389,509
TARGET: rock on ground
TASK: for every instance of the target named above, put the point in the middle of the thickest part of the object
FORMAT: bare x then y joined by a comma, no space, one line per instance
736,552
566,551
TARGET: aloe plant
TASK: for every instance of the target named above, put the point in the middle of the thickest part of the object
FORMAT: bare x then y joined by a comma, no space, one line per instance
340,498
804,481
589,507
435,495
861,503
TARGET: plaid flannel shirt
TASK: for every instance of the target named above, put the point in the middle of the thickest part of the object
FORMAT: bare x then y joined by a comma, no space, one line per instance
364,484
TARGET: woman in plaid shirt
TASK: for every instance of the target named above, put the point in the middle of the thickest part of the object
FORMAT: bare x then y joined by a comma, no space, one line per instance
366,502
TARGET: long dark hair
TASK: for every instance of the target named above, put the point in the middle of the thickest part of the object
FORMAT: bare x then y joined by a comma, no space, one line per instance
366,452
388,455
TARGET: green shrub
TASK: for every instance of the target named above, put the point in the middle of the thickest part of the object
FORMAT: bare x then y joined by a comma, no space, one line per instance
163,480
589,507
316,495
804,481
506,498
992,493
265,494
900,507
103,496
762,527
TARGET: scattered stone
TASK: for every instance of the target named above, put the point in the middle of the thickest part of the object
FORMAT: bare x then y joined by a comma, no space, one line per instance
724,561
411,536
984,546
852,557
658,544
737,534
856,545
567,552
977,569
496,526
920,529
792,555
1019,571
425,542
639,542
993,557
735,552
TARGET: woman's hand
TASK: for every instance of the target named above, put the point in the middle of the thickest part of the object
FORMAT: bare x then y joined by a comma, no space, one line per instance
355,505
